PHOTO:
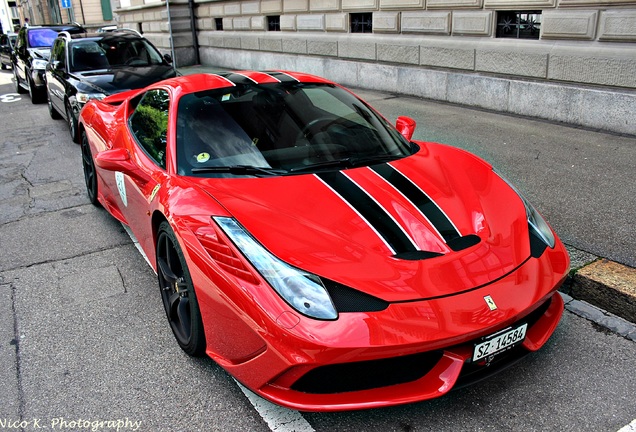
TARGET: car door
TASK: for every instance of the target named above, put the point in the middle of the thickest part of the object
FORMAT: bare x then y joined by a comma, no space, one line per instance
147,126
57,75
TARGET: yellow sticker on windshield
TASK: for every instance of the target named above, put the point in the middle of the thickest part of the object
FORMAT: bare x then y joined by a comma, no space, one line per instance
203,157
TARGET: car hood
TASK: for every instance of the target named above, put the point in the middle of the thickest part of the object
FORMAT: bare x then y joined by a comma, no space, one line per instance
115,80
40,53
369,228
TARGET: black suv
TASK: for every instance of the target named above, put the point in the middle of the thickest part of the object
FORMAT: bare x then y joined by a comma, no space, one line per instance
32,51
7,42
93,66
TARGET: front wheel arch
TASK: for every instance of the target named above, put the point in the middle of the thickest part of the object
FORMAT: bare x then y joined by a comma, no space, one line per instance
177,292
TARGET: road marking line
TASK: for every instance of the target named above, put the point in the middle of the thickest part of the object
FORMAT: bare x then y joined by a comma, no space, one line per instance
278,419
629,428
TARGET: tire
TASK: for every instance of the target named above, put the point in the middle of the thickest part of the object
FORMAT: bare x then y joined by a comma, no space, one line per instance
52,111
72,123
90,175
178,294
18,87
36,95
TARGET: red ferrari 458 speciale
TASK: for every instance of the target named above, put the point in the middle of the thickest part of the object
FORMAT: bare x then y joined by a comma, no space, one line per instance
316,252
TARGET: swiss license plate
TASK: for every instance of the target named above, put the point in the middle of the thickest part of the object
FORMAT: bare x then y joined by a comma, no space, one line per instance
499,342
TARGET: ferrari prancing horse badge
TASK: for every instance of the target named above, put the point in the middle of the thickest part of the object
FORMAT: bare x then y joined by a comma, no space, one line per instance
491,303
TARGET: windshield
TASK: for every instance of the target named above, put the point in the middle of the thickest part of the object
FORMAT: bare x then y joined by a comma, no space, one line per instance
41,38
111,53
285,128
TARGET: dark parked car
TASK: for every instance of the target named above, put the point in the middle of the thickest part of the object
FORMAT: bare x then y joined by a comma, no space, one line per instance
32,50
7,42
93,66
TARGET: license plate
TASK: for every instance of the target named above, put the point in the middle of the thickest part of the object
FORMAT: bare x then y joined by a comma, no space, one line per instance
499,342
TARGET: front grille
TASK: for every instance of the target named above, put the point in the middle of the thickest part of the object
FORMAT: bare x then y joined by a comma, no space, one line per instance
365,375
356,376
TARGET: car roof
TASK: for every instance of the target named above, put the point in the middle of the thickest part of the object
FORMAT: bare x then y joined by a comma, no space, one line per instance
58,27
115,34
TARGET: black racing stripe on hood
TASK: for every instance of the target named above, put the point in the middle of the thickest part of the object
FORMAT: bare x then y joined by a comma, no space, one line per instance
370,210
419,199
282,77
237,79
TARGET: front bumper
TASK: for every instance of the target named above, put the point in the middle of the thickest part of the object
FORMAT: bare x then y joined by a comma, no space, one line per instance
410,352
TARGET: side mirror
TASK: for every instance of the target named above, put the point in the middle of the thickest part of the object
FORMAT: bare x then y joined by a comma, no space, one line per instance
118,159
168,58
406,126
114,160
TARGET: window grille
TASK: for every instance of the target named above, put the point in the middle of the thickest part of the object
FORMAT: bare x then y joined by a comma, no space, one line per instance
361,22
273,23
519,24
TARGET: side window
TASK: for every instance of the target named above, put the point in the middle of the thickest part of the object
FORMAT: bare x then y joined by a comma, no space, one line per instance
58,54
149,124
21,42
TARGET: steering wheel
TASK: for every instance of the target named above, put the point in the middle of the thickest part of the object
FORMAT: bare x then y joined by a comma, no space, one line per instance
315,127
131,61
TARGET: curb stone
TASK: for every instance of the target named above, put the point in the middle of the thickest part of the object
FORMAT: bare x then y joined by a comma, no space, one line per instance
602,291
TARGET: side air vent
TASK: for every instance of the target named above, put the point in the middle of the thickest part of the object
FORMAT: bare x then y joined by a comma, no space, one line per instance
223,254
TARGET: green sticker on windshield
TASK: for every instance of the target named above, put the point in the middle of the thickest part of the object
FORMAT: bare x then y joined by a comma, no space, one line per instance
203,157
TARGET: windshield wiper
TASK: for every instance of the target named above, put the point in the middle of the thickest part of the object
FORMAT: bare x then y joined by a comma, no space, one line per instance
348,162
239,170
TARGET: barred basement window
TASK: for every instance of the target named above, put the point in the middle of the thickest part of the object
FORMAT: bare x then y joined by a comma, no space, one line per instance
519,24
218,22
273,23
361,22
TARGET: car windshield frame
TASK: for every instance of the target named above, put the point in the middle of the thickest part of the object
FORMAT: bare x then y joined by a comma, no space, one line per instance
41,37
111,52
285,128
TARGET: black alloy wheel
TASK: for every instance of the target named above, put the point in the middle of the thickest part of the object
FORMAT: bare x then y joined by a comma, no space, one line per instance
177,293
34,93
72,123
90,176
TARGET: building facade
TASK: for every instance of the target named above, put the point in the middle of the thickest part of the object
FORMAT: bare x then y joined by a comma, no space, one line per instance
91,14
9,16
565,60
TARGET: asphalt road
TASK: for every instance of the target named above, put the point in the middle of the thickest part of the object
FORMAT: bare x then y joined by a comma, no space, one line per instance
84,339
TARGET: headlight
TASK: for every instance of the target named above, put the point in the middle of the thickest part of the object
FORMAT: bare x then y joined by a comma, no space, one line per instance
85,97
303,291
535,220
39,64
